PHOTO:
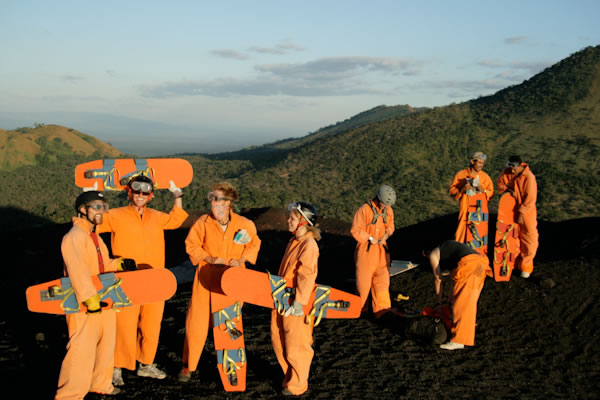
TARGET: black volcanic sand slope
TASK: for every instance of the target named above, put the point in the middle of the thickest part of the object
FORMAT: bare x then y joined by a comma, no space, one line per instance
536,338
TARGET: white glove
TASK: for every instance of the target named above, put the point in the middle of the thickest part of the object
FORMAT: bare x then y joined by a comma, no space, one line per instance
241,237
175,190
89,189
295,310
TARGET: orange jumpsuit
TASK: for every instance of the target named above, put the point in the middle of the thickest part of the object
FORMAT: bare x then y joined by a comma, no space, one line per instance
206,238
468,278
292,336
140,237
372,260
88,364
459,181
524,187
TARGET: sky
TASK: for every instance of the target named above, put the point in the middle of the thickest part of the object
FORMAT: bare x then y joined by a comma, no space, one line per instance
212,76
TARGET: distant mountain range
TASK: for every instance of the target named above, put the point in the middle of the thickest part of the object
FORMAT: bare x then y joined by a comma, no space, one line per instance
552,120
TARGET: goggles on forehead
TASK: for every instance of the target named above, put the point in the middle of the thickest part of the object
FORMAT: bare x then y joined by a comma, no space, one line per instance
141,187
211,196
510,164
297,207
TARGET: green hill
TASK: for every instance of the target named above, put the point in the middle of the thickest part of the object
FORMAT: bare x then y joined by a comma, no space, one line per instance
552,120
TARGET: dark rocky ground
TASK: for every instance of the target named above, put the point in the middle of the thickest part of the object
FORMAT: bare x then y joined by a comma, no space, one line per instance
536,338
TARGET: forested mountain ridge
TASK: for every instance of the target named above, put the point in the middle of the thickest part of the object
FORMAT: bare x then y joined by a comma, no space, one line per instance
552,120
48,143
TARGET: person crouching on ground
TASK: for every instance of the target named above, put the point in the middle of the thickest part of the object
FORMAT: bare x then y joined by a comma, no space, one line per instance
468,270
291,333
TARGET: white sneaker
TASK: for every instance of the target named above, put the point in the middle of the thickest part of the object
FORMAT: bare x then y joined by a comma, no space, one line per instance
150,371
525,275
117,377
452,346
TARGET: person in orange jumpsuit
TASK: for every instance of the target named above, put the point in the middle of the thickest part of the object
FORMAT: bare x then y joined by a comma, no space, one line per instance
468,182
520,182
88,363
212,243
468,270
137,232
372,225
291,333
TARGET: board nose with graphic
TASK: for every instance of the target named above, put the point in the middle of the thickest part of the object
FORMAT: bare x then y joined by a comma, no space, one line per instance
114,174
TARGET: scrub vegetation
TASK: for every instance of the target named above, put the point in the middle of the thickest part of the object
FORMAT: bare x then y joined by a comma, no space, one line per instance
551,120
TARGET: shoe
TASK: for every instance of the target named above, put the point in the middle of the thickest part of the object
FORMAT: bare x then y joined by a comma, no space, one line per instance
286,392
184,375
452,346
150,371
525,275
117,377
115,391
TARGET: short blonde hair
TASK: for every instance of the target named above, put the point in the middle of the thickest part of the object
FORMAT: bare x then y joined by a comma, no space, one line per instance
228,190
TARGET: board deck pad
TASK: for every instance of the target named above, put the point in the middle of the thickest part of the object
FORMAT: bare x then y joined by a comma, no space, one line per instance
398,267
114,174
506,243
272,291
117,289
477,223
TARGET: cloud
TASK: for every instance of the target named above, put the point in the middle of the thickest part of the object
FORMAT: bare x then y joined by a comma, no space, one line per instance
111,73
331,76
515,40
281,48
71,78
531,67
228,53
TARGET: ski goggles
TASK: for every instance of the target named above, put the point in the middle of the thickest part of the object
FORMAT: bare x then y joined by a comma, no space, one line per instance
144,188
510,164
97,206
211,196
297,207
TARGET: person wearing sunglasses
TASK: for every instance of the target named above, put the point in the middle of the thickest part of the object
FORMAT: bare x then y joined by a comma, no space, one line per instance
137,232
372,225
219,238
468,182
89,358
520,182
291,332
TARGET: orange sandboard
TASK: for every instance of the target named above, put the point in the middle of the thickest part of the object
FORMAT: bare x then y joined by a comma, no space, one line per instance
273,291
115,174
117,289
506,244
477,223
228,337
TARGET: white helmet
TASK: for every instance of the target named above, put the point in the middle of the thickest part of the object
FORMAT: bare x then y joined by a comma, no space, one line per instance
386,195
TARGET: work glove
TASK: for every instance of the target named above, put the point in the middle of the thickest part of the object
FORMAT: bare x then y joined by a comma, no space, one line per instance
175,190
295,310
126,264
94,305
89,189
241,237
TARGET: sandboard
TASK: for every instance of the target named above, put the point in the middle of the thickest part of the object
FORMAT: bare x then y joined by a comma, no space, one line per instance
272,291
477,223
115,174
398,267
506,243
117,289
228,336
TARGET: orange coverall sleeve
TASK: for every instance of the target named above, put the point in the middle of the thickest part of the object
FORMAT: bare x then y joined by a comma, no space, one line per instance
359,224
194,242
306,273
528,195
174,218
251,249
77,261
457,184
487,184
503,180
